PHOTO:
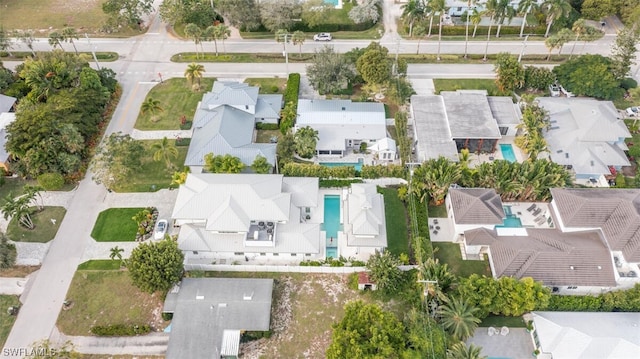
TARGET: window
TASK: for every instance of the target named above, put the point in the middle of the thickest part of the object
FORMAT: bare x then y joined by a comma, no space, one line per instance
307,255
246,107
238,253
276,254
263,254
195,252
307,210
294,254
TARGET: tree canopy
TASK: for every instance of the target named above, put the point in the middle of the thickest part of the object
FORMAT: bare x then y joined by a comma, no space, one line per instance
156,266
374,65
509,72
115,159
305,140
222,163
590,75
126,12
330,71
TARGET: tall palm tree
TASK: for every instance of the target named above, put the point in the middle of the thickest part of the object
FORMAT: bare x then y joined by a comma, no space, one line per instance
18,208
195,33
579,28
552,42
222,32
412,11
438,6
504,11
34,192
419,31
461,351
55,40
458,318
466,27
433,270
476,18
194,72
164,150
298,38
152,107
554,10
69,34
526,6
209,34
491,8
433,179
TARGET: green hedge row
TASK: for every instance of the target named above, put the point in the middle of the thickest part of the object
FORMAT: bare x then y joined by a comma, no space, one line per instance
293,88
119,330
334,183
293,169
459,30
378,171
616,301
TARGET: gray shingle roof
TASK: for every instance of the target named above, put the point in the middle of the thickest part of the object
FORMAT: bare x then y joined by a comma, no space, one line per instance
476,206
6,103
432,129
469,115
204,308
615,211
504,110
550,256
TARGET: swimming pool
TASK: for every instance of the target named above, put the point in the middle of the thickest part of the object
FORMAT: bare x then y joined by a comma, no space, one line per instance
331,224
357,165
511,222
507,152
332,2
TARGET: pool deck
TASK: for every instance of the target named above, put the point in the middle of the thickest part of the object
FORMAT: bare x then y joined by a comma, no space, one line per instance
517,344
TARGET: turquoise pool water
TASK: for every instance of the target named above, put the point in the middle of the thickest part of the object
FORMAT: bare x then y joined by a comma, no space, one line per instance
357,165
332,2
331,223
507,210
507,152
512,221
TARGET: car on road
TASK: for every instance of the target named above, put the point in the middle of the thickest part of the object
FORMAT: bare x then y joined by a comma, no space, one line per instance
323,36
161,229
633,111
554,90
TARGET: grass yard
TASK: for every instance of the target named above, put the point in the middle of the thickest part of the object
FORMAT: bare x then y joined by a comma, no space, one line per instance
99,264
43,14
45,229
108,297
116,225
500,321
303,309
152,175
264,136
396,219
466,84
449,253
14,185
268,85
6,320
176,99
438,211
18,271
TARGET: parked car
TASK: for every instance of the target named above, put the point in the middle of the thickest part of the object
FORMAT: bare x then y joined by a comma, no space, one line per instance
633,111
554,90
161,229
323,36
565,92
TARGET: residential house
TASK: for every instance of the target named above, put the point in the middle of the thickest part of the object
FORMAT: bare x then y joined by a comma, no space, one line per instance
446,123
7,103
365,225
6,118
210,315
586,335
587,136
585,241
225,120
227,217
344,125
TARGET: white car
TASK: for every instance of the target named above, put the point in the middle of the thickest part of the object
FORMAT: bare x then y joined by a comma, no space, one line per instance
554,90
633,111
323,36
161,229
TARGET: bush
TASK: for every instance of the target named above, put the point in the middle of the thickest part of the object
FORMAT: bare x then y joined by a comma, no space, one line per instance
183,142
167,316
459,30
293,87
293,169
51,181
309,263
538,78
8,252
251,336
119,330
628,83
379,171
337,183
266,126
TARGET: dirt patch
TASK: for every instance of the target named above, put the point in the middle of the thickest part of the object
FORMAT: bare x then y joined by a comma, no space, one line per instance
18,271
75,6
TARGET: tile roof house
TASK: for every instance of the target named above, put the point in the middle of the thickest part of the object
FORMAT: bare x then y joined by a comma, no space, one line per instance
225,120
586,335
344,125
365,226
585,134
238,216
451,121
209,315
471,208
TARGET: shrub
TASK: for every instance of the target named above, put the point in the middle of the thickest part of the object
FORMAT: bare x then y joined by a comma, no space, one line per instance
183,142
379,171
266,126
8,252
337,183
293,88
538,78
51,181
252,335
293,169
628,83
119,330
167,316
357,263
309,263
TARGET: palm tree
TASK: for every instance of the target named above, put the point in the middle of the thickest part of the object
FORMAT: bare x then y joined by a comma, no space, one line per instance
476,18
433,179
164,150
552,42
438,6
432,270
194,72
5,41
526,6
504,12
152,107
282,35
222,32
413,11
306,139
55,40
116,252
298,38
419,31
27,38
32,192
69,34
195,33
209,34
579,28
554,10
461,351
491,11
466,27
458,318
18,208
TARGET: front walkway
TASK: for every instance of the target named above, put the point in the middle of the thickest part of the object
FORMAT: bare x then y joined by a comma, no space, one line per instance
158,135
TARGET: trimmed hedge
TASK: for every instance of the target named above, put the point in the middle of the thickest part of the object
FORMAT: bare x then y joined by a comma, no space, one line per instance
616,301
293,169
333,183
459,30
378,171
266,126
293,88
119,330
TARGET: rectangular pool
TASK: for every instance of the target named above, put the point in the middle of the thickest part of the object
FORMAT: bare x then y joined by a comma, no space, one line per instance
357,165
331,224
507,152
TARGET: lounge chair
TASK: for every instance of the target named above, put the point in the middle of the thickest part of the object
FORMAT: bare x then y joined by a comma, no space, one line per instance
537,211
504,331
531,208
492,331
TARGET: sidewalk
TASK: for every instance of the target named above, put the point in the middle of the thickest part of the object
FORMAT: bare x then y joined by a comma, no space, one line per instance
158,135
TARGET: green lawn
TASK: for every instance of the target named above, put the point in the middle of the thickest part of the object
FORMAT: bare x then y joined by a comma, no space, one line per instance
466,84
438,211
152,175
45,229
264,136
176,99
396,219
236,57
449,253
14,185
268,85
6,320
500,321
107,297
99,264
116,225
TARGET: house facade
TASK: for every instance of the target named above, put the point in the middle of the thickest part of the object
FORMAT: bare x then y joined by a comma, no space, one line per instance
365,227
225,121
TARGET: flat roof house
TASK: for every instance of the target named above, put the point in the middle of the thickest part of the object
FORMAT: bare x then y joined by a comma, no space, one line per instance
585,135
448,122
343,125
225,120
210,314
226,217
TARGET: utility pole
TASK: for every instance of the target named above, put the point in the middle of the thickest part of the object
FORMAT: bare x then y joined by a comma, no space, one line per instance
93,52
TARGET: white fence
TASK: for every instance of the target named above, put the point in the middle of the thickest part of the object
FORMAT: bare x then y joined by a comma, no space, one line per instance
271,268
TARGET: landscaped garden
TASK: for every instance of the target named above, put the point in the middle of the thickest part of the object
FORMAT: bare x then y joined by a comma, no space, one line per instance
107,297
6,320
268,85
467,84
45,225
116,225
449,253
396,220
176,98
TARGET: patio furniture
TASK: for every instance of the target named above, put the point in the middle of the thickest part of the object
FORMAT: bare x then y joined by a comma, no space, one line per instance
531,208
435,221
537,211
435,232
431,227
504,331
438,227
492,331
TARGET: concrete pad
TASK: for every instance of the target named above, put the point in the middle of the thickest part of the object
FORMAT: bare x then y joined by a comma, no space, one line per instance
423,86
12,285
515,345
